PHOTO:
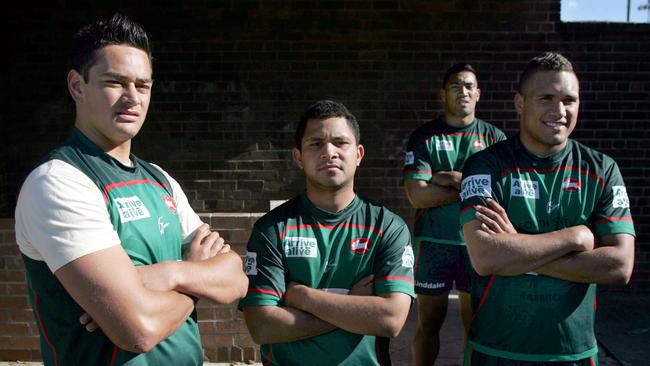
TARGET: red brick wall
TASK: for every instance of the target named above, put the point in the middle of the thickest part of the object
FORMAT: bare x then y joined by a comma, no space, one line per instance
232,77
223,330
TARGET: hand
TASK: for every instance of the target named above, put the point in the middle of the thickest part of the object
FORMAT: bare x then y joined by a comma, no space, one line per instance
585,238
494,219
206,244
294,294
449,179
364,287
89,322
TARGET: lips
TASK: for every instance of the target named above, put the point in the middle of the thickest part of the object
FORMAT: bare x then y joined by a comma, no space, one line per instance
128,116
329,166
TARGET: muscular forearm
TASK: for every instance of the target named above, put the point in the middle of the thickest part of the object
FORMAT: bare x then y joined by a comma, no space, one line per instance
428,194
220,278
609,264
275,324
371,315
510,254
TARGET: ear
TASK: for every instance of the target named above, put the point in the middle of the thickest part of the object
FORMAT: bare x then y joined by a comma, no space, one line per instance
360,153
297,157
75,81
519,103
478,94
443,96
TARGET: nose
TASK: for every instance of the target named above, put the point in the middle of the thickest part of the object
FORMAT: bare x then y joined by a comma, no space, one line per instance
559,109
329,151
130,95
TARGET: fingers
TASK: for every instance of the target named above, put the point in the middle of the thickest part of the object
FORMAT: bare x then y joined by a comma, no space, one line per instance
206,244
87,320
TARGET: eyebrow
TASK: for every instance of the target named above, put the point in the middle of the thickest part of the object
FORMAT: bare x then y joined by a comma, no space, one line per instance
124,77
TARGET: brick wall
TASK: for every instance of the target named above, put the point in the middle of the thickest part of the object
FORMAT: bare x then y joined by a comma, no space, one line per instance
223,330
232,77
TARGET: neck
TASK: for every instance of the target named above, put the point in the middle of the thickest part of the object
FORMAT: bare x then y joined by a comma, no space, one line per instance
121,151
541,151
331,201
456,121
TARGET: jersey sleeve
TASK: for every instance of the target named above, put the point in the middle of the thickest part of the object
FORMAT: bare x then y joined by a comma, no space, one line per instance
189,220
479,182
61,215
265,270
417,160
612,215
394,262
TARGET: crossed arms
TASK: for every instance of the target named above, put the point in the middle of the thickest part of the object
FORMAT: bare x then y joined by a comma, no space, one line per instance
442,189
137,307
570,254
309,312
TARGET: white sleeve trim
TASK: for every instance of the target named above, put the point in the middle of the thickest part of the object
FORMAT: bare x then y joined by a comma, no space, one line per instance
61,215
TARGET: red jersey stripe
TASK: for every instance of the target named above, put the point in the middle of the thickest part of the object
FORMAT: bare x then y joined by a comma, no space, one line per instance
329,227
40,323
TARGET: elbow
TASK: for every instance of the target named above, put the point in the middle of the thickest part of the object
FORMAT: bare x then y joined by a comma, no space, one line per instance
140,338
483,269
621,276
392,329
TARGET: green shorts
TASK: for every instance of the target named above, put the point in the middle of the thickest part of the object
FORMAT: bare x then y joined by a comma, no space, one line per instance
439,266
475,358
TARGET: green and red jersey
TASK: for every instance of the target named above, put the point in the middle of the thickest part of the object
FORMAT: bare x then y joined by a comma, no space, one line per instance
81,200
436,146
533,317
299,242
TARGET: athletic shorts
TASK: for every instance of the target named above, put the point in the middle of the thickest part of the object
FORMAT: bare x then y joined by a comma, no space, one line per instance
481,359
439,266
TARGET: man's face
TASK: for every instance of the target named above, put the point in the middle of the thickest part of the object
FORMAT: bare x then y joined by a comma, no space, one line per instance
548,110
329,154
461,95
112,104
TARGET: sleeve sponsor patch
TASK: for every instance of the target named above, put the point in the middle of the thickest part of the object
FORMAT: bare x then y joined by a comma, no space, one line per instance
408,259
620,199
476,185
409,158
251,263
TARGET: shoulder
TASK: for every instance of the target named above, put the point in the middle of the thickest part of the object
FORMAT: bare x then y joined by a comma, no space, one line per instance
497,154
490,129
591,158
381,215
424,131
280,215
56,172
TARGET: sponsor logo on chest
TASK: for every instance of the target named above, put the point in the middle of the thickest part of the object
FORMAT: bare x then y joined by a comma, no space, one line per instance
478,144
444,145
131,209
360,245
301,247
524,188
169,202
572,185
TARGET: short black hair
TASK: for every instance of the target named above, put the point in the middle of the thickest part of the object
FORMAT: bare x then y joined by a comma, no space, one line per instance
548,61
117,30
455,69
324,109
